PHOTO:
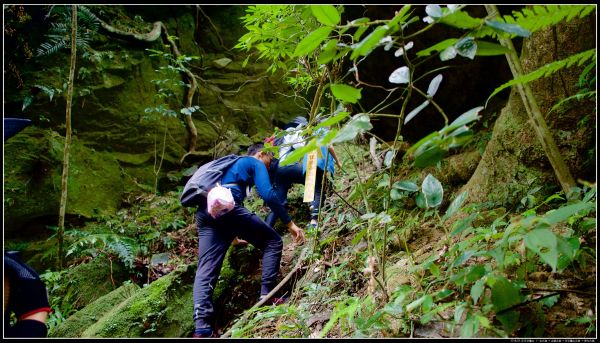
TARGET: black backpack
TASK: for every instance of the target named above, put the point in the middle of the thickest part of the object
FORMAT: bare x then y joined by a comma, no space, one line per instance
204,179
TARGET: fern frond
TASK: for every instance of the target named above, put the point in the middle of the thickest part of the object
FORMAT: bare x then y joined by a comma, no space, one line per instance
541,16
537,17
578,97
547,70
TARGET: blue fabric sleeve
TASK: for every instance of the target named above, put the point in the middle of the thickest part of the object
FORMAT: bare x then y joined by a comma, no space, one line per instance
268,193
249,171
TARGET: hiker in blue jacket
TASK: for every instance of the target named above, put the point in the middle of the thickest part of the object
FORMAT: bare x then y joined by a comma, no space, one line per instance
286,176
216,235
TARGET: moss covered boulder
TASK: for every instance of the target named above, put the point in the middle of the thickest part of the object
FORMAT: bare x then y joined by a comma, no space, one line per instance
32,180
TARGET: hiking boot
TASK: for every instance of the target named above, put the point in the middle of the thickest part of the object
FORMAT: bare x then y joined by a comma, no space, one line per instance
203,333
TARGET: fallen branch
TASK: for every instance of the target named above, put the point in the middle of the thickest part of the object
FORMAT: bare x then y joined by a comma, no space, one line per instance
270,295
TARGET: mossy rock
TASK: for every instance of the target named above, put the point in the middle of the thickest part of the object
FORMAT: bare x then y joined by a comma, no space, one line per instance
76,324
162,309
32,179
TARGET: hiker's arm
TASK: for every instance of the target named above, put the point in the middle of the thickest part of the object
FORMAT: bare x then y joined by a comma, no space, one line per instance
268,193
332,152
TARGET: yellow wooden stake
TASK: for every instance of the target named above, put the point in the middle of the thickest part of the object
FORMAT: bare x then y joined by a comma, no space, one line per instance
311,176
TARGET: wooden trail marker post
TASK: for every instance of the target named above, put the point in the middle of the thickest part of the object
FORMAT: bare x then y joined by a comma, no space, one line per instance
311,176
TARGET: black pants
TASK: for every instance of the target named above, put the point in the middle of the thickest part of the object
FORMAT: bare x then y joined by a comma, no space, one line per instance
215,237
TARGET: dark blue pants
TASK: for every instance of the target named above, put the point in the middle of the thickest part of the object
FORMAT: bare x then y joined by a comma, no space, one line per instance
285,178
214,238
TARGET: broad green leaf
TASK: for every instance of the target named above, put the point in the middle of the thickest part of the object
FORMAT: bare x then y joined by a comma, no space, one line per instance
345,93
389,156
513,29
365,46
468,275
422,142
416,111
299,153
421,301
509,320
328,53
384,182
429,157
396,194
406,186
490,49
470,326
455,205
466,47
544,243
312,41
565,212
441,46
420,201
433,191
332,120
463,119
461,20
358,124
504,293
400,17
462,224
477,290
326,14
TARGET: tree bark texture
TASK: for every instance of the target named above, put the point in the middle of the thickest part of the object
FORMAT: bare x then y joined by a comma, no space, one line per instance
514,161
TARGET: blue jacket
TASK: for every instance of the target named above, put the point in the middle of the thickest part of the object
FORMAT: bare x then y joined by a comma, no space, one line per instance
247,172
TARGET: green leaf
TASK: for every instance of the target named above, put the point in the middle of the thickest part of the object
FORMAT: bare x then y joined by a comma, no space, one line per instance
358,124
406,186
332,120
463,119
365,46
396,194
477,290
490,49
326,14
345,93
328,53
513,29
433,191
420,200
427,157
299,153
461,20
455,205
561,214
400,17
544,243
312,41
441,46
422,142
504,293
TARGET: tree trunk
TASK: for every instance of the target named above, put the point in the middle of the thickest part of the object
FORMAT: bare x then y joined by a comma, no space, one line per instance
514,161
65,171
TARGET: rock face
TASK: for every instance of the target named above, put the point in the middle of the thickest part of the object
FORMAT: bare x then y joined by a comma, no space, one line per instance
514,161
121,145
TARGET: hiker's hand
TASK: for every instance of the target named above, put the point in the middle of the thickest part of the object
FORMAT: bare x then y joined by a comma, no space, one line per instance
238,241
297,233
